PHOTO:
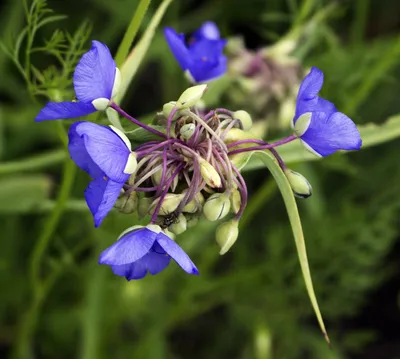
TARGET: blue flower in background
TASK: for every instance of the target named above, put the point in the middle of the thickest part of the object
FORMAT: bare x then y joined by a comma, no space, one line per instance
321,128
202,57
96,81
143,250
105,154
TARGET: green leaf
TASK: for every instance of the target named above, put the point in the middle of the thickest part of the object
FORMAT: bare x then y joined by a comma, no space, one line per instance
269,160
142,135
371,134
21,194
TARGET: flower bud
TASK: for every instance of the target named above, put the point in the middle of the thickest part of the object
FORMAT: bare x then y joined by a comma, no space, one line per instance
209,174
191,220
217,206
169,204
236,201
302,124
144,206
244,118
179,226
187,130
226,235
127,203
167,108
156,179
300,186
195,204
236,134
169,233
190,96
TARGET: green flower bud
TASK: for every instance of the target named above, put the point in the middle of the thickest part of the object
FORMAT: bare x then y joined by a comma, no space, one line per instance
226,235
187,130
127,203
179,226
244,118
236,134
156,179
236,201
195,204
300,186
209,174
144,206
302,124
169,204
217,206
190,96
191,220
167,108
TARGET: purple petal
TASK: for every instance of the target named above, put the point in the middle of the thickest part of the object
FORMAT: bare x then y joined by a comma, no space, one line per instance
131,247
177,45
209,30
101,195
131,271
177,253
95,74
106,149
330,133
155,262
61,110
79,155
202,72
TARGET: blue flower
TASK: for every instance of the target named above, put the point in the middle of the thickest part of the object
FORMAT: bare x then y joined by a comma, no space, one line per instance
202,57
143,250
105,154
321,128
96,81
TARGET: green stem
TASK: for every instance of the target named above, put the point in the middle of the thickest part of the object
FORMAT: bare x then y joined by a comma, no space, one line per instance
131,32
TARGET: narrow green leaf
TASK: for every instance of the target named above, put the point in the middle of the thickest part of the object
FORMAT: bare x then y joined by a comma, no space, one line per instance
371,134
142,135
269,160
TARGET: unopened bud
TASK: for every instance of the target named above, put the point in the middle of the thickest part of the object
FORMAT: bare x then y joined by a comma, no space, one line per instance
210,174
300,186
127,203
167,108
179,226
236,134
191,220
190,96
144,206
157,176
236,201
195,204
226,235
244,118
187,130
169,204
217,206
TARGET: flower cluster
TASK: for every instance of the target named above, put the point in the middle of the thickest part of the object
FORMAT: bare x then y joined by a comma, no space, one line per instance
188,169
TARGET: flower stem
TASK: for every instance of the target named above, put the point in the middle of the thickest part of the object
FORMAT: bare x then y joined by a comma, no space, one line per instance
266,146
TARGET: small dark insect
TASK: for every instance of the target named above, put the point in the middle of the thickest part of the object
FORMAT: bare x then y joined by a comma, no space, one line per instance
169,219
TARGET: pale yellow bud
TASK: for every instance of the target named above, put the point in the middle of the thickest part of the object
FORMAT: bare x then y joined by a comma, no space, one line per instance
300,186
226,235
191,220
167,108
169,204
244,118
144,206
179,226
127,203
236,201
217,206
210,174
191,96
195,204
187,130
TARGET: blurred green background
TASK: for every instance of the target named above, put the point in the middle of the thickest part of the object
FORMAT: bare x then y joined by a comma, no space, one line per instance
57,302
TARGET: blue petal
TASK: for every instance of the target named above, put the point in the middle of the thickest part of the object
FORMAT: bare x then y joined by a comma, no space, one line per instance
79,155
177,253
106,149
100,196
61,110
202,72
131,271
155,262
177,45
209,30
330,133
131,247
95,74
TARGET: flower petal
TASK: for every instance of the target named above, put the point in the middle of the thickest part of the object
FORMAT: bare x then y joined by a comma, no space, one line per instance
106,149
129,248
61,110
101,195
330,133
136,270
79,155
155,262
95,74
177,253
177,45
202,73
209,30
